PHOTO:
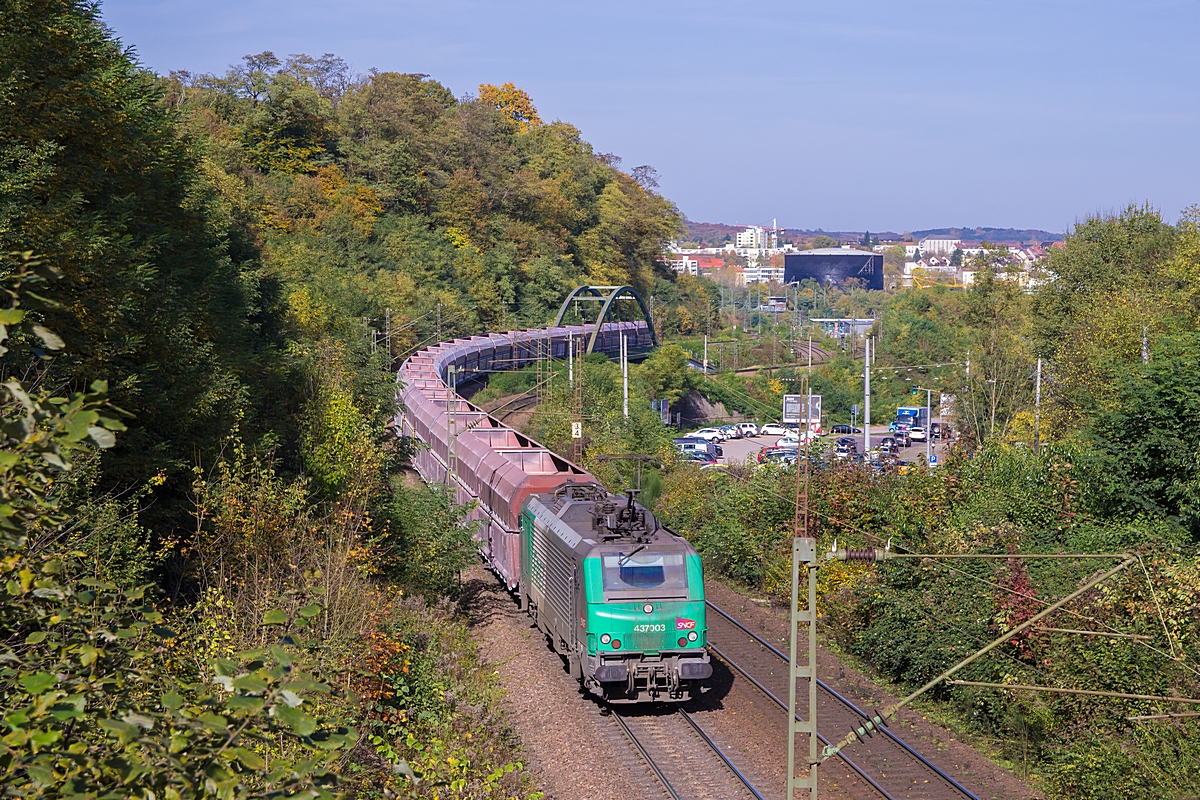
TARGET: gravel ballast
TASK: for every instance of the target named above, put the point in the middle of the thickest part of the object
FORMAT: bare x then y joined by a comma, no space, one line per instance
570,748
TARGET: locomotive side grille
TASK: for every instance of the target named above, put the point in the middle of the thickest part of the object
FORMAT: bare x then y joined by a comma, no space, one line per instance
558,573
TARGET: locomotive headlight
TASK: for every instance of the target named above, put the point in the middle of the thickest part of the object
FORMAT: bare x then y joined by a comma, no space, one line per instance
605,638
692,636
648,608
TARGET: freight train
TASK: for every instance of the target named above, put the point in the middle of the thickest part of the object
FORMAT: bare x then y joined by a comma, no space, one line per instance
619,596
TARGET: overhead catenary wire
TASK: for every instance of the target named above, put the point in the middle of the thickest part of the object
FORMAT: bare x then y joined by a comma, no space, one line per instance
995,585
1067,690
1022,595
1106,523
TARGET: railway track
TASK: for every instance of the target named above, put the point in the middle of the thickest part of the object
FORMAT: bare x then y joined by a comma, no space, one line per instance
683,759
885,764
515,406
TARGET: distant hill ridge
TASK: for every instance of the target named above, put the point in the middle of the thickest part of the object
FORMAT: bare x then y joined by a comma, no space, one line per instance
714,234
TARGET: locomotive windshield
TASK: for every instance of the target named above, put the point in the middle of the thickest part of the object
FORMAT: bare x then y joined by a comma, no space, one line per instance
653,573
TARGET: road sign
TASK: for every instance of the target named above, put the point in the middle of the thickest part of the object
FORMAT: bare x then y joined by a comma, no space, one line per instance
933,460
576,430
795,409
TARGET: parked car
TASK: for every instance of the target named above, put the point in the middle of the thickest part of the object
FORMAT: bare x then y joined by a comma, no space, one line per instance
918,434
795,438
848,442
731,431
700,457
748,428
691,444
709,434
776,453
881,460
902,438
845,429
888,444
935,430
774,429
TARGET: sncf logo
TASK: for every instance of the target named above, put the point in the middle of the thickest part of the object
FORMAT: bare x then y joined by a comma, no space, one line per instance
682,624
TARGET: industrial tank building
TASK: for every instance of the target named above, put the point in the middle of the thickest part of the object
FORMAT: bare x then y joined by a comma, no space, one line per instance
834,265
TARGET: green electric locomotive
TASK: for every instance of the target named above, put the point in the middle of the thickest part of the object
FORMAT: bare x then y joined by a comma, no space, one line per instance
617,594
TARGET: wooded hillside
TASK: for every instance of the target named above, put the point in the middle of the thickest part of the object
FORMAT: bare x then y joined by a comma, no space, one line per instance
215,572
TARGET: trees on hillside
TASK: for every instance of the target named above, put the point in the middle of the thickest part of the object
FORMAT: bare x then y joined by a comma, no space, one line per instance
477,201
1118,324
160,293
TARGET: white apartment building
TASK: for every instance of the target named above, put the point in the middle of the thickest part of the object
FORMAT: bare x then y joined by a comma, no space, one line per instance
763,274
753,238
911,250
939,245
682,264
757,238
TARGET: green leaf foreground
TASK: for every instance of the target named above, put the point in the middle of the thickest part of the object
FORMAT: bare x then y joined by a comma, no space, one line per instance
94,706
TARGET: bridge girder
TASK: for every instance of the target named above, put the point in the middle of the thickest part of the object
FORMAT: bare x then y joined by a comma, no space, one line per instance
606,295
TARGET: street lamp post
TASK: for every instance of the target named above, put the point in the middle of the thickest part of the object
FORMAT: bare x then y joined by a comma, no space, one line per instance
928,426
928,420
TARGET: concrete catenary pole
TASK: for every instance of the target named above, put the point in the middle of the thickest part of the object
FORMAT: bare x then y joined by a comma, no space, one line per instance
867,396
1037,407
625,373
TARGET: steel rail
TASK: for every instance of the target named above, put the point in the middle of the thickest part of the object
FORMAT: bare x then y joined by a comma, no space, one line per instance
720,753
846,759
704,737
645,756
903,744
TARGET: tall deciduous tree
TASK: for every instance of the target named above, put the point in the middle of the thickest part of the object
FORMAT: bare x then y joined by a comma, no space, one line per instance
158,297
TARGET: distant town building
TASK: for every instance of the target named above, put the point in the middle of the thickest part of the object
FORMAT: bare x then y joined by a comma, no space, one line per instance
707,263
761,274
683,264
756,239
834,265
753,238
939,245
911,249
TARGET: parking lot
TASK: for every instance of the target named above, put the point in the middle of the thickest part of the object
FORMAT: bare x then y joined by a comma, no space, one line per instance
737,451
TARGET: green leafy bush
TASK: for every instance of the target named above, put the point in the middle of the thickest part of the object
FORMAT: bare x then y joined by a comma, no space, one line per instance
90,706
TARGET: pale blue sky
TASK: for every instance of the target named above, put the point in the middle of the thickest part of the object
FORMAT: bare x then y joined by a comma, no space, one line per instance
842,115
